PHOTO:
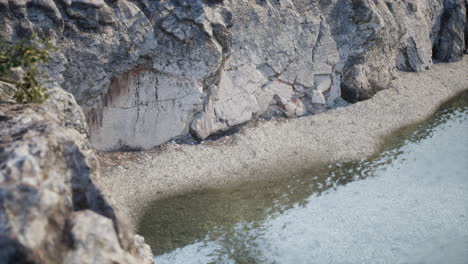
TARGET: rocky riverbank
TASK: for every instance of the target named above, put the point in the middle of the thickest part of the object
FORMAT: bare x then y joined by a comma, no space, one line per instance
57,206
276,148
144,73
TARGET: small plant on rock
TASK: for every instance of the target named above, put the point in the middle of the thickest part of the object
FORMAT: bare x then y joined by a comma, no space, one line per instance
25,55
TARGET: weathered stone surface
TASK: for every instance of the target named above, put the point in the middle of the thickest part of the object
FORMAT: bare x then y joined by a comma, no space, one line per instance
53,208
148,71
451,42
7,91
63,105
135,112
90,246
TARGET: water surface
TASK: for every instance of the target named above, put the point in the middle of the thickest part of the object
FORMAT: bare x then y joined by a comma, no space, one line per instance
408,204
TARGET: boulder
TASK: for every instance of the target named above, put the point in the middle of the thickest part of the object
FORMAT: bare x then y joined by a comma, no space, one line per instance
53,208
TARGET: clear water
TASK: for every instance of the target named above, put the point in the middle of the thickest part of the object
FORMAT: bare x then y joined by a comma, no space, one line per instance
408,204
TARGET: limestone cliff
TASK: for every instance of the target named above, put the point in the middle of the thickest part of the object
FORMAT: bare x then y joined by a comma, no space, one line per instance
53,207
146,72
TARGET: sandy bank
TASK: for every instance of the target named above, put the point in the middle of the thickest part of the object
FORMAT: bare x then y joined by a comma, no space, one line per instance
276,148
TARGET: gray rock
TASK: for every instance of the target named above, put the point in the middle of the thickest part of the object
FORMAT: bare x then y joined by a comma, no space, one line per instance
63,105
7,92
7,85
149,71
48,187
451,42
91,247
135,114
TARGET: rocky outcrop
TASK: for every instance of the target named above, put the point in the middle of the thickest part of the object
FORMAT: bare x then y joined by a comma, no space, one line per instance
147,71
450,43
53,208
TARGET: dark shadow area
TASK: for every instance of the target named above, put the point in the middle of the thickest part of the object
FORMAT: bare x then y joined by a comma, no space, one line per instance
450,44
11,251
85,194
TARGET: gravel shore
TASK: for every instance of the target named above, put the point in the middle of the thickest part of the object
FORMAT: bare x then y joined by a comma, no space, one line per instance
279,147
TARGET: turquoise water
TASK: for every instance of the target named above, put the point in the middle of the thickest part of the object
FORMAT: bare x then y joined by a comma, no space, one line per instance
408,204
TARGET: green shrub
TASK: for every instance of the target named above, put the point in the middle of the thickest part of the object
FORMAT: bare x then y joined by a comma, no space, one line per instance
25,54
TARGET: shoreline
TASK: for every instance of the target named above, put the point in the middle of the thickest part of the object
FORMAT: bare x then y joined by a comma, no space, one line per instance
279,147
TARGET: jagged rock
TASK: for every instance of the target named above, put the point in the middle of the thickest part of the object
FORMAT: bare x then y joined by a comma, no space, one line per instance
7,92
143,250
63,105
451,42
90,246
53,207
149,71
7,86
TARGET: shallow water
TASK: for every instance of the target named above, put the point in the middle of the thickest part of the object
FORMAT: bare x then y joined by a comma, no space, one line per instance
408,204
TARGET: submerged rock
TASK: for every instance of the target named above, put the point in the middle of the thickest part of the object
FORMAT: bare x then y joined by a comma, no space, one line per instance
146,71
53,208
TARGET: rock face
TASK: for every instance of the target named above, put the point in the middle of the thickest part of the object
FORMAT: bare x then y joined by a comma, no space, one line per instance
149,71
53,208
451,41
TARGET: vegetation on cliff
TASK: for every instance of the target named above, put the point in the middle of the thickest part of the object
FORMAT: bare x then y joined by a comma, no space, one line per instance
19,67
